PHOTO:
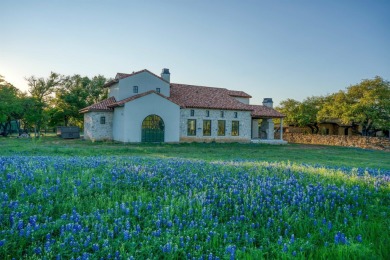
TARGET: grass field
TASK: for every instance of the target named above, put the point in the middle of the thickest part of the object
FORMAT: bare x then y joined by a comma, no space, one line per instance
311,154
68,199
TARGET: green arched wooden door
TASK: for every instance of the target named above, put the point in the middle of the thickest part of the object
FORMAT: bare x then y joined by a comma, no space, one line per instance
153,129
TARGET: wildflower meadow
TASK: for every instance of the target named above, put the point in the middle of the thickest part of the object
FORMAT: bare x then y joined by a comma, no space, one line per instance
119,207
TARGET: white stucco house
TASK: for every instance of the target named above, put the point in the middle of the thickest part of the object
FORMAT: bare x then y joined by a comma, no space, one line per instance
145,107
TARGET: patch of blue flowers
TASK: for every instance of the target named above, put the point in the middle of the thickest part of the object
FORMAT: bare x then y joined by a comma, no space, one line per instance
138,208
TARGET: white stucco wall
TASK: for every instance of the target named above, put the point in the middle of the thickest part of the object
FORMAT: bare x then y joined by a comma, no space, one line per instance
145,82
113,91
118,126
244,117
136,111
243,100
94,130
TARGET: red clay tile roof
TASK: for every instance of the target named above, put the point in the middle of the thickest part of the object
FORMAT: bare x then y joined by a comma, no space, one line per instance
237,93
110,83
121,102
259,111
101,106
190,96
122,75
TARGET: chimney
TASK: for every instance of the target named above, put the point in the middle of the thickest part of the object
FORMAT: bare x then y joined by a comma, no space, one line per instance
166,75
267,102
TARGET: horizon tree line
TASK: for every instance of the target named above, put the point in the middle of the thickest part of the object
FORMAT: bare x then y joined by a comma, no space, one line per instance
57,99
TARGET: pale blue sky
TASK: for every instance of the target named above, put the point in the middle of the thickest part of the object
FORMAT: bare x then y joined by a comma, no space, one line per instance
278,49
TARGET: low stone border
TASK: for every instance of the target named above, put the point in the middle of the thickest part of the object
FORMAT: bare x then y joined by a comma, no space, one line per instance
366,142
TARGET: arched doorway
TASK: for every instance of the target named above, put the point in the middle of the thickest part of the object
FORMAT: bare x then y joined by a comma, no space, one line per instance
153,129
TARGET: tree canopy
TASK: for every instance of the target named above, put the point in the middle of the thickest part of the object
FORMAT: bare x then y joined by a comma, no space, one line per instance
366,104
49,102
10,105
302,113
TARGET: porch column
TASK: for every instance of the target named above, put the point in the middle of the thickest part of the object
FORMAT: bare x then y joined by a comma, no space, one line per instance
270,129
255,128
281,129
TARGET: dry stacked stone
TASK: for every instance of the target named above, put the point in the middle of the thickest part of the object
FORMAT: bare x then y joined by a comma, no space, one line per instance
377,143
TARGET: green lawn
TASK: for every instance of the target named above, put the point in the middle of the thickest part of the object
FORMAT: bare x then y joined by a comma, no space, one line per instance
310,154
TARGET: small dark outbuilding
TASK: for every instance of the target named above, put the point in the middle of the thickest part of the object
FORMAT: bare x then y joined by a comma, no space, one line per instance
68,132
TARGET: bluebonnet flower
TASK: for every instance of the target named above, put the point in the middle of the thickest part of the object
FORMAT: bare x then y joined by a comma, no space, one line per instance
292,239
280,240
167,248
231,249
95,247
20,224
126,235
38,250
329,225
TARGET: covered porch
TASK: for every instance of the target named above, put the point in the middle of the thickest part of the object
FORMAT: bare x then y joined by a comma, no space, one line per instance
263,127
263,131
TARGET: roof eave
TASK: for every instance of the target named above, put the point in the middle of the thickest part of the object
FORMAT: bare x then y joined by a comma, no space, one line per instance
95,110
110,83
217,108
240,96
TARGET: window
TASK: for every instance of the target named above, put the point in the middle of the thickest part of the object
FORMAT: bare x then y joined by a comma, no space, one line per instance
192,112
235,114
221,127
235,128
191,127
206,127
102,120
207,113
158,90
222,114
135,89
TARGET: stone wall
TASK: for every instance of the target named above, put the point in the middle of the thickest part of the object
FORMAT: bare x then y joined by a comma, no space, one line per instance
377,143
95,129
244,118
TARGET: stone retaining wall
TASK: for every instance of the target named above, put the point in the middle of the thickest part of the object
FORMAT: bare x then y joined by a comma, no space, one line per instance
377,143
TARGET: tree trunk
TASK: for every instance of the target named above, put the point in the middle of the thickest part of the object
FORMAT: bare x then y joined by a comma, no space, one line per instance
317,129
18,126
2,129
369,127
7,128
314,128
